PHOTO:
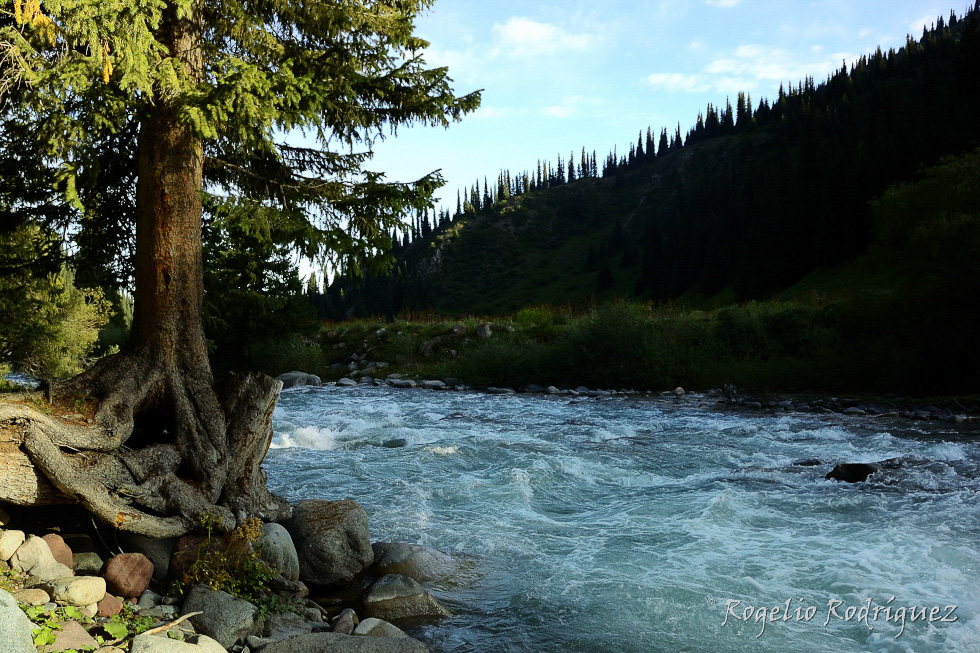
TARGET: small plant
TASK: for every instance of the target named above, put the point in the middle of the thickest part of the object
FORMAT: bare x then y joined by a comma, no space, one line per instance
231,563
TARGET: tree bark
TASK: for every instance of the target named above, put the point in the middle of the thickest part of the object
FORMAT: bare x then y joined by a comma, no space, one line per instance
183,454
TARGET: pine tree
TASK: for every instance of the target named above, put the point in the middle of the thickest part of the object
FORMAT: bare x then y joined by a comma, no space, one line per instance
212,88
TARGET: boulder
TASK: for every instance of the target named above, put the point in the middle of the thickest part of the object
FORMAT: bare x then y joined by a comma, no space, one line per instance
79,591
484,330
297,379
401,383
10,541
61,551
372,627
276,548
851,472
338,643
500,391
398,597
331,539
434,384
15,627
346,622
346,382
34,557
285,625
127,574
160,643
224,617
418,562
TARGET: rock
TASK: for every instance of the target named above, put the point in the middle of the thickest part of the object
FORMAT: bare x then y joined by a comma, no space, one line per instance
346,622
582,389
34,557
157,550
535,388
851,472
15,627
332,541
552,390
4,517
484,330
79,591
185,553
61,551
292,588
500,391
276,548
10,541
418,562
397,597
678,391
346,382
854,410
33,596
372,627
87,562
127,574
297,379
71,636
807,462
338,643
284,625
224,617
149,599
109,606
160,643
401,383
434,385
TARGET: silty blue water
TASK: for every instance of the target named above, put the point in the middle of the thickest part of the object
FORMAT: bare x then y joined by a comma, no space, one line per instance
631,525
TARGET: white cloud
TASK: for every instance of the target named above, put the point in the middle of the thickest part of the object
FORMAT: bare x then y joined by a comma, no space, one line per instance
523,37
558,111
724,4
678,83
751,68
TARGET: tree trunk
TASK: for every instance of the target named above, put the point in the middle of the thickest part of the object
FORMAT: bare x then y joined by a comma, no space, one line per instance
187,449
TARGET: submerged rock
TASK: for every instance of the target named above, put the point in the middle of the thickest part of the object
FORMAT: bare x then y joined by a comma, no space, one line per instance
399,597
418,562
851,472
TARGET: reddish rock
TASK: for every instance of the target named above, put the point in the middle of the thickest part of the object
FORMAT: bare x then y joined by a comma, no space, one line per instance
127,574
109,606
71,637
61,551
185,553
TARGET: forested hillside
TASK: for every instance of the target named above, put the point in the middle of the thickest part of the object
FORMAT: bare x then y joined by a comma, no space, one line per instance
749,201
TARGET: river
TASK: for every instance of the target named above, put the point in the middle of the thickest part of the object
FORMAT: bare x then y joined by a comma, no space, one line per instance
630,524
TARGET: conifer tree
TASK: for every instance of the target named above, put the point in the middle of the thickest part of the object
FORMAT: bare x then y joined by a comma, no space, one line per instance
212,88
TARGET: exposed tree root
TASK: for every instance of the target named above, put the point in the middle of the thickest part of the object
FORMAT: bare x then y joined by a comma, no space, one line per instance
163,447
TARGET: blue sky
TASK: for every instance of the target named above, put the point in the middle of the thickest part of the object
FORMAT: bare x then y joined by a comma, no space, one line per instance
561,76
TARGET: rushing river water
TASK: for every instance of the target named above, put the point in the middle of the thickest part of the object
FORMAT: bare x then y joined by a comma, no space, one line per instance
634,525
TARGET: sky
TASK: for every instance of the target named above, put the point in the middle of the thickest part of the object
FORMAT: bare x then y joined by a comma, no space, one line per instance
557,77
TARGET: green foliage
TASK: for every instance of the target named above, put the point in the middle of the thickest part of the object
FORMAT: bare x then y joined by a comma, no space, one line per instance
230,564
50,326
78,77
